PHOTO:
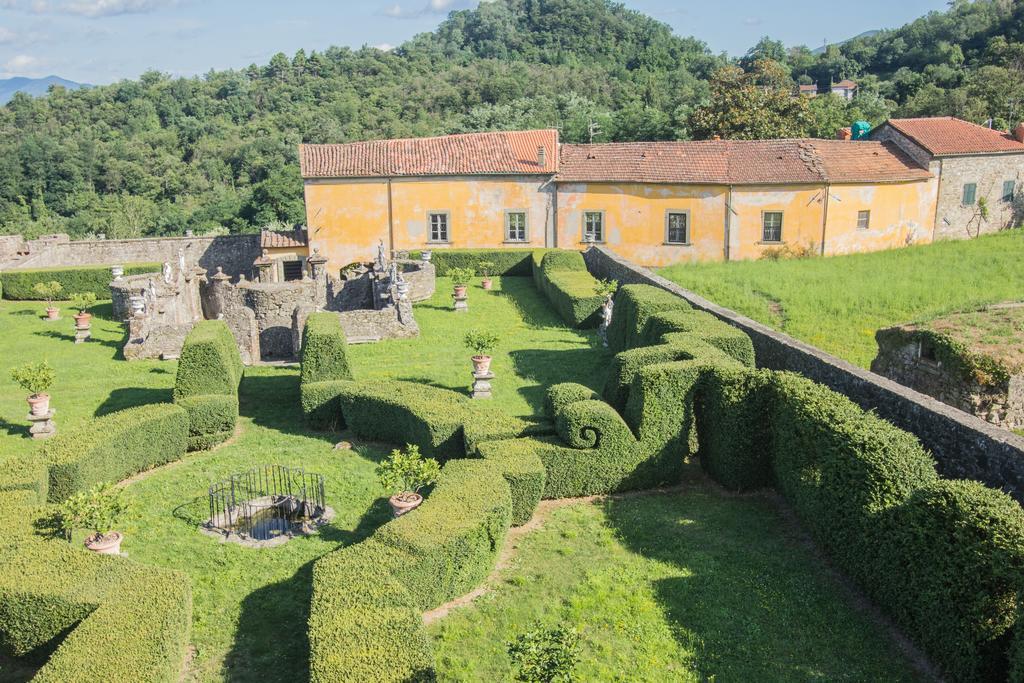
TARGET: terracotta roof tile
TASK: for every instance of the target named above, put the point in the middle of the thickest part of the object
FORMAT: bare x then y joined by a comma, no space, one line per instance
272,239
948,136
845,83
499,153
739,162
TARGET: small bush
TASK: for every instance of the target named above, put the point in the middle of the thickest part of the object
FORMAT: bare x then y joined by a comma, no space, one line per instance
97,511
406,471
461,276
324,349
115,446
545,655
35,378
19,284
481,342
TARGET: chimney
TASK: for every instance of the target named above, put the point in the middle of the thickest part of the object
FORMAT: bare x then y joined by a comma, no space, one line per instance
1018,132
716,137
542,156
844,134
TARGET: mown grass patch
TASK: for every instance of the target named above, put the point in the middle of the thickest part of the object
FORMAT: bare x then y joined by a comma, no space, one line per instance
838,303
692,585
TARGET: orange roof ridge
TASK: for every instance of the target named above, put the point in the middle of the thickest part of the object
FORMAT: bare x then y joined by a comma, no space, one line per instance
948,135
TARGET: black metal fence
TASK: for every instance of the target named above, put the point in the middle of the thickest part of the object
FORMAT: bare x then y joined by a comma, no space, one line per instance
293,493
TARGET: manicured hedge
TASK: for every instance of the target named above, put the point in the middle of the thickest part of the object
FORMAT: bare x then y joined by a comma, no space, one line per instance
115,446
634,305
209,371
563,278
512,261
25,473
363,624
18,284
519,463
324,349
953,566
127,622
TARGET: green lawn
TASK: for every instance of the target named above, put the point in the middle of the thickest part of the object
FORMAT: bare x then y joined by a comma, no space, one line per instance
670,586
838,303
693,585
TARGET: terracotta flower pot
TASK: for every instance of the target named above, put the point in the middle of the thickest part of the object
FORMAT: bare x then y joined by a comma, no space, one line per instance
399,507
487,283
460,291
52,313
108,544
39,404
83,321
481,364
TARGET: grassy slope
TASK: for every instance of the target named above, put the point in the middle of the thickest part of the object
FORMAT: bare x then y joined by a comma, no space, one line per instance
689,586
838,303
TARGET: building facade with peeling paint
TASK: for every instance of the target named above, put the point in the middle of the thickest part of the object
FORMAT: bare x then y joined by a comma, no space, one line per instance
655,203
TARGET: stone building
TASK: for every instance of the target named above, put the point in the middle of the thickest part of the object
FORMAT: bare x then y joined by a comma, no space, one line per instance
980,171
972,361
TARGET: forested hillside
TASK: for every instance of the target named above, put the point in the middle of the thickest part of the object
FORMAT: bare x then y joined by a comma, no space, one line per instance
159,155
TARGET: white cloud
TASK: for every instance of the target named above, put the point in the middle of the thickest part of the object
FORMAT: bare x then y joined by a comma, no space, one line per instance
20,62
397,11
7,35
385,47
86,8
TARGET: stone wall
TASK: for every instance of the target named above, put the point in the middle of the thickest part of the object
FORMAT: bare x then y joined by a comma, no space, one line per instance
10,245
234,253
953,220
899,359
964,446
171,310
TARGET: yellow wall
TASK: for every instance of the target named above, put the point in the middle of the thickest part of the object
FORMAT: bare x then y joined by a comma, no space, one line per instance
347,218
801,208
476,208
634,219
901,214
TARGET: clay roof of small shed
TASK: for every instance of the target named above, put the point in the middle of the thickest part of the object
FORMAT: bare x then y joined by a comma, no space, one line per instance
501,153
273,239
740,162
949,136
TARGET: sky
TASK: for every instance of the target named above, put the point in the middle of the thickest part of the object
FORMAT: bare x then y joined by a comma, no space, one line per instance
102,41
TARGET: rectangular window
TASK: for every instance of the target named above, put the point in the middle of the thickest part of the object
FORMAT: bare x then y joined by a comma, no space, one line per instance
970,194
438,227
771,224
677,227
1009,187
593,226
515,226
863,220
292,270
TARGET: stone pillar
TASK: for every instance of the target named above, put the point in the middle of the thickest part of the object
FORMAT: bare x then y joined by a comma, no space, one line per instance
219,294
318,271
263,267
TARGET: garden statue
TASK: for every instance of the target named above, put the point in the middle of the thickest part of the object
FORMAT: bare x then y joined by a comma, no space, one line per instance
606,320
167,272
382,260
152,290
181,261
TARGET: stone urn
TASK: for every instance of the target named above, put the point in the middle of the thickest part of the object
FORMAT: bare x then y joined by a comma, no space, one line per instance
487,283
39,404
426,255
83,321
117,272
52,313
402,503
460,291
481,365
105,544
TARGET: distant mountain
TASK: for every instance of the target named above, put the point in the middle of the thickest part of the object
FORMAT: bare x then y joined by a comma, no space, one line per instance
34,86
866,34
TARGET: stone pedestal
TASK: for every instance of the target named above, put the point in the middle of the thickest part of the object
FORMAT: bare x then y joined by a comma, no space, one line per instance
82,334
461,302
482,384
43,426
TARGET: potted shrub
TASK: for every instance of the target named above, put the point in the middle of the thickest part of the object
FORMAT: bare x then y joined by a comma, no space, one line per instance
97,511
405,473
36,378
460,279
83,301
606,288
49,291
486,268
481,343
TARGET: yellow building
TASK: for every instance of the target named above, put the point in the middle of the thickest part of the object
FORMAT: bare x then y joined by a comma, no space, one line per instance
655,203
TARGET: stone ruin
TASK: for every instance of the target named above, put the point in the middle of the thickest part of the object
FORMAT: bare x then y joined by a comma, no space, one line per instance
973,361
373,302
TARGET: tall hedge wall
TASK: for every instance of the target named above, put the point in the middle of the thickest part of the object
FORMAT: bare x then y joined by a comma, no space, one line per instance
324,352
564,280
18,284
209,372
506,261
115,446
